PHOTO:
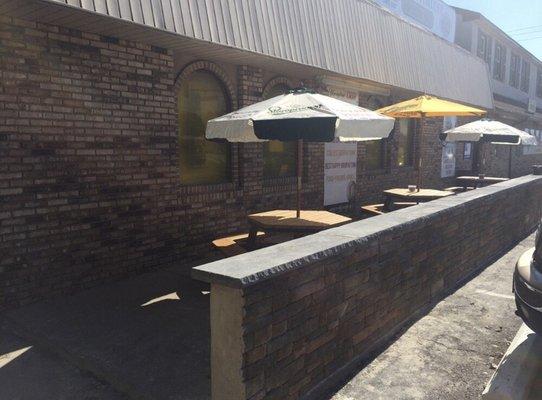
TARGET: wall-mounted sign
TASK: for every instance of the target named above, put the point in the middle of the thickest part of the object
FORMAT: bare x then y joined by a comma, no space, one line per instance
340,170
340,159
339,93
447,168
434,15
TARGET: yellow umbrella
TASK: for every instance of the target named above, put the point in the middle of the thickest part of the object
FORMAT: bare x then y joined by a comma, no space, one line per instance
428,106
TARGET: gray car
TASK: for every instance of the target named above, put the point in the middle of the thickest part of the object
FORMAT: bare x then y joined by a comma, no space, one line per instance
528,285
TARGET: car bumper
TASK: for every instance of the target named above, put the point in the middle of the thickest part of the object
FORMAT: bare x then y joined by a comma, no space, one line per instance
527,292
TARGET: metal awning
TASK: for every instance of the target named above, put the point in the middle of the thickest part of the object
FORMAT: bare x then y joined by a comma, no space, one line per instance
353,38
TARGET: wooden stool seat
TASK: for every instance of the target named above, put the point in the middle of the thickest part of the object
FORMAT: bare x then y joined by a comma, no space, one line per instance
458,189
230,246
373,209
378,209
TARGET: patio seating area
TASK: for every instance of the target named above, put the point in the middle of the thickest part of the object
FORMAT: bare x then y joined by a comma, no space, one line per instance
342,122
397,198
276,226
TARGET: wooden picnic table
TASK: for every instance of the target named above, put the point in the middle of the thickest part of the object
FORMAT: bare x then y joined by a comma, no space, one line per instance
418,196
476,181
310,221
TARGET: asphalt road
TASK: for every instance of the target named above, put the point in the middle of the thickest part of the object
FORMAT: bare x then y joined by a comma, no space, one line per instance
451,352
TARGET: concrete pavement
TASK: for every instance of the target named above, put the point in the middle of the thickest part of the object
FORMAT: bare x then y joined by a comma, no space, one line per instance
146,337
28,372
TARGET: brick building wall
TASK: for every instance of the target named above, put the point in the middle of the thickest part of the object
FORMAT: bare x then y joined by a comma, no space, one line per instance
309,312
90,179
90,187
497,160
87,137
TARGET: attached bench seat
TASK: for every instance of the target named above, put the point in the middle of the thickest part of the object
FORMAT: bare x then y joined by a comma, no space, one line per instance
458,189
234,245
378,209
230,246
373,209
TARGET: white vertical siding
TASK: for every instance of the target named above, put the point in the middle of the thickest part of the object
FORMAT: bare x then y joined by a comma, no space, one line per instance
351,37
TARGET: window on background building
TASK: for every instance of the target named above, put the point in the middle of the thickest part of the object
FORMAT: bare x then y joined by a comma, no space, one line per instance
405,142
525,75
539,82
201,97
485,44
499,62
467,151
374,157
279,158
515,66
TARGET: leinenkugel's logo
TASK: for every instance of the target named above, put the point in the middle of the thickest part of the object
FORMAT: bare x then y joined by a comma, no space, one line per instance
278,110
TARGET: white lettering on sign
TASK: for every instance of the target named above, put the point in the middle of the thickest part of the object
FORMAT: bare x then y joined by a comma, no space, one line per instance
340,170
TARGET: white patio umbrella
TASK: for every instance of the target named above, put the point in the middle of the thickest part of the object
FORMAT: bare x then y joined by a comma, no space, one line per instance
490,131
302,116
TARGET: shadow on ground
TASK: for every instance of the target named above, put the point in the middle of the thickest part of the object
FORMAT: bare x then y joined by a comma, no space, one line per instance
147,337
27,372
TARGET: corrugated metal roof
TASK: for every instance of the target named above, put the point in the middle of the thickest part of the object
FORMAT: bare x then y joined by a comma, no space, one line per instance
350,37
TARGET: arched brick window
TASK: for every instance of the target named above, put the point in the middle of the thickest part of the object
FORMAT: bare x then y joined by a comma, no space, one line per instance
202,94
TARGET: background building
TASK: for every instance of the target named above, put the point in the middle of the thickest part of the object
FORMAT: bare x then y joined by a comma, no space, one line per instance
436,16
516,81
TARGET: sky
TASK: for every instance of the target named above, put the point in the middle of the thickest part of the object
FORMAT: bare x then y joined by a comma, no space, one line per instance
521,19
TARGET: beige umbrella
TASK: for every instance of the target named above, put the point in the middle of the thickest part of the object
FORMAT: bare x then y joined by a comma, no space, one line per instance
300,115
494,132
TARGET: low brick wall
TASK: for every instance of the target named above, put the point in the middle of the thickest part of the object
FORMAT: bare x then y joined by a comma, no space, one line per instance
305,311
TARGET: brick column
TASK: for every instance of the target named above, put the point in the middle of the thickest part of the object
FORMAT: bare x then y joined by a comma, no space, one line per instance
250,88
430,149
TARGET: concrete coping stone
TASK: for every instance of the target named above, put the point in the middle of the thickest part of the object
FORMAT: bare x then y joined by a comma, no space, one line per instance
260,265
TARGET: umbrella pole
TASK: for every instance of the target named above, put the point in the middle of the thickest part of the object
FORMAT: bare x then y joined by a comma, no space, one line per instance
482,162
299,175
422,119
510,162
